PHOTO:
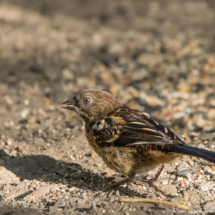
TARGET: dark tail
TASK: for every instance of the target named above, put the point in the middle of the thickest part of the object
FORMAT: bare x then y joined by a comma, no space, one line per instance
193,151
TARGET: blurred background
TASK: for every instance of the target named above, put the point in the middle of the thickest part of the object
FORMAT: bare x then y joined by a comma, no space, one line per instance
155,56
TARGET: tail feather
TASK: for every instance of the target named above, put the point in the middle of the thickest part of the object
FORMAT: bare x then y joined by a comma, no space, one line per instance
204,151
192,151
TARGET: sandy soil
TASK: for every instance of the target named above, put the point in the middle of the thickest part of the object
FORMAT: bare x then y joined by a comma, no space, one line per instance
155,56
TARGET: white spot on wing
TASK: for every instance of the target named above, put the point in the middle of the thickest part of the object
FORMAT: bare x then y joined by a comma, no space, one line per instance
118,110
138,123
94,127
145,143
146,114
156,122
100,127
149,129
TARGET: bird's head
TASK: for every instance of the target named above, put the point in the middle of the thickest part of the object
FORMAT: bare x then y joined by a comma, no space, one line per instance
92,104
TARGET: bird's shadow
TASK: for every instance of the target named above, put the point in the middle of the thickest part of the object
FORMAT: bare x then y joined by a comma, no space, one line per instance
48,169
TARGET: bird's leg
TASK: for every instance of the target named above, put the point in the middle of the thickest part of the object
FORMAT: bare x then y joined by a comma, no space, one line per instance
112,186
152,181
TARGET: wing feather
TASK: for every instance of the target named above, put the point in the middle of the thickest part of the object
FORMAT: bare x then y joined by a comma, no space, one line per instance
130,129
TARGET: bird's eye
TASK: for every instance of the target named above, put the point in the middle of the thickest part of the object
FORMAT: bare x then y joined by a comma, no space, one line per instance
86,100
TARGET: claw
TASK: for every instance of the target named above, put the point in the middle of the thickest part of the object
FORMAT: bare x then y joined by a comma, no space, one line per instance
152,181
112,186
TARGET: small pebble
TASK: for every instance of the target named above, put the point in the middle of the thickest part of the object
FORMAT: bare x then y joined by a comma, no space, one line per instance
208,173
209,206
117,193
62,204
205,186
184,171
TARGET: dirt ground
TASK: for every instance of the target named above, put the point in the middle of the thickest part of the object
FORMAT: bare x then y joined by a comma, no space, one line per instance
154,56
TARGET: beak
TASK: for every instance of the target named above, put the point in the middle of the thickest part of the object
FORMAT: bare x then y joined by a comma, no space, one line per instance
69,105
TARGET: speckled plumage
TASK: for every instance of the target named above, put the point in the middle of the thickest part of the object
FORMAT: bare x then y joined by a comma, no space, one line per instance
127,140
118,142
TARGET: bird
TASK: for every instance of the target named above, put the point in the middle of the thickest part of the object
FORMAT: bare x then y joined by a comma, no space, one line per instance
129,141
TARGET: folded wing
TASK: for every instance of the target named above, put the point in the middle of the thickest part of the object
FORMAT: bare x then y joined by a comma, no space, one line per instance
130,129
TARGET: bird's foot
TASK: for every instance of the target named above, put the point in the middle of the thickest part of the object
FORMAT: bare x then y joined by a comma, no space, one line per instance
152,182
114,185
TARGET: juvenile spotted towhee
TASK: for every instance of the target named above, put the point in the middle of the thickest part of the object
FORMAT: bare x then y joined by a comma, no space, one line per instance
127,140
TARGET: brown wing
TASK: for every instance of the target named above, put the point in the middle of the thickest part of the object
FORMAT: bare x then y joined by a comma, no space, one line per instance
128,128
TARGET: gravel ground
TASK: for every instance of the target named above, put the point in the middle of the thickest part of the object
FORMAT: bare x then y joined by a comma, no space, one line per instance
154,56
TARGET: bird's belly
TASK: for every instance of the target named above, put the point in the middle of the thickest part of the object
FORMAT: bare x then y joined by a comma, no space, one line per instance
119,159
151,159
